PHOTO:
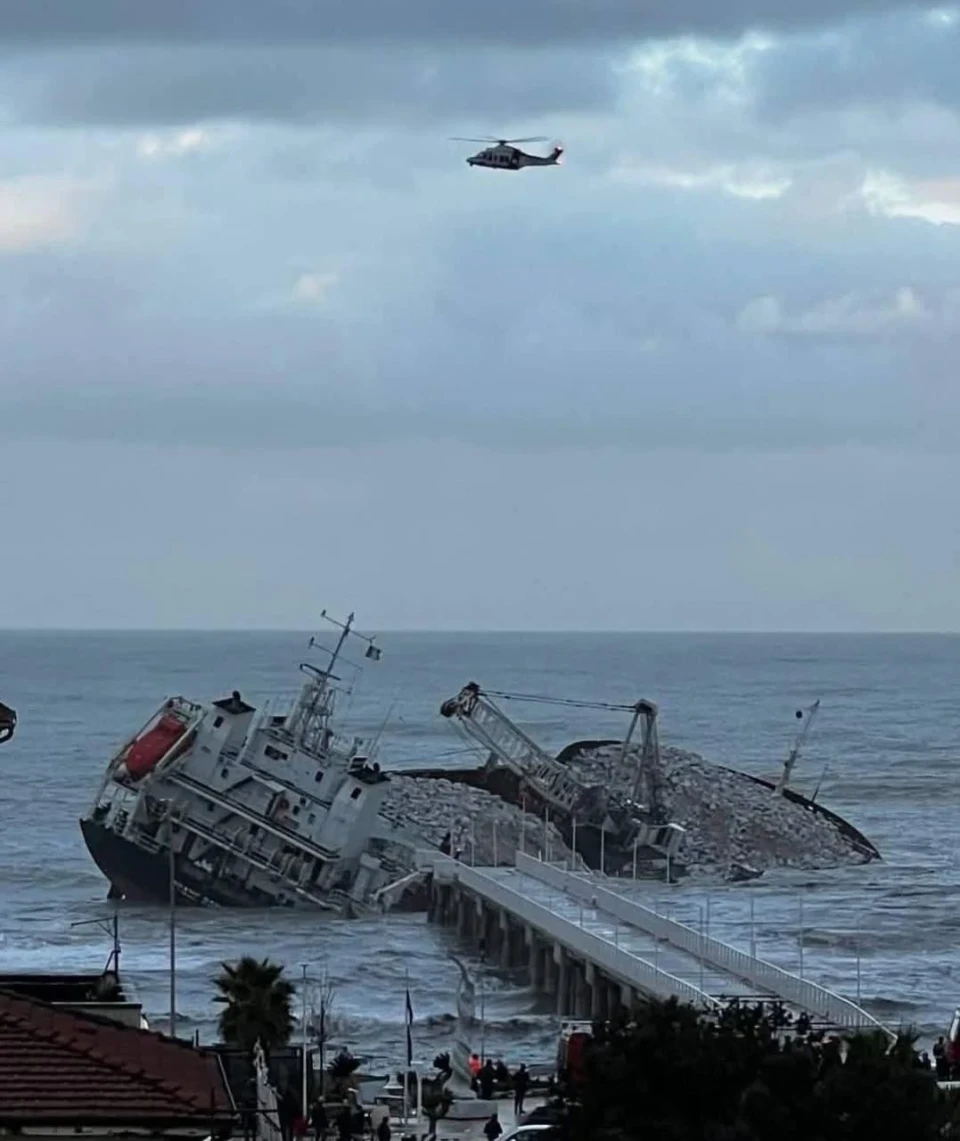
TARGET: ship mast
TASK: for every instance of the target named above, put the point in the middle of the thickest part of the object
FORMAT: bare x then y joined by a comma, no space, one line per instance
309,723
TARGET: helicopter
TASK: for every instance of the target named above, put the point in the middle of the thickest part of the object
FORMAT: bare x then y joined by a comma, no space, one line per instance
505,155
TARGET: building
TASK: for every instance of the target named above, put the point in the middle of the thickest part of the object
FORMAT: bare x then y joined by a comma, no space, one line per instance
102,993
65,1070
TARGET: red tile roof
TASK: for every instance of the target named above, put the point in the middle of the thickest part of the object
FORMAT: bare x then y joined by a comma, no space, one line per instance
61,1066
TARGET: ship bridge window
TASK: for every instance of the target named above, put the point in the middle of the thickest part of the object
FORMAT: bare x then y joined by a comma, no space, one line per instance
274,754
318,776
218,723
355,795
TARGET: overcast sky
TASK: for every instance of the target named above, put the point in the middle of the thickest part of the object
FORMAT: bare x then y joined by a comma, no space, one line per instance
269,344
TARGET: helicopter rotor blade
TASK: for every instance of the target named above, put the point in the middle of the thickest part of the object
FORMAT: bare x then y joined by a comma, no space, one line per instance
530,139
459,139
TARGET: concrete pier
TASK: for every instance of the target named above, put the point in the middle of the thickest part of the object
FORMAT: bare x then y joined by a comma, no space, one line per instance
594,951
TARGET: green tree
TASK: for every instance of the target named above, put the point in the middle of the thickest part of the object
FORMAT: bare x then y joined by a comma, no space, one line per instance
257,1004
670,1073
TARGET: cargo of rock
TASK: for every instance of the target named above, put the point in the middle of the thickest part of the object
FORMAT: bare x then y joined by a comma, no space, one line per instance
730,817
485,828
733,818
734,824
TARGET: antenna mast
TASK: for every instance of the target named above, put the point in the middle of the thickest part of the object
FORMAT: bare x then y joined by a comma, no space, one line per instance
309,723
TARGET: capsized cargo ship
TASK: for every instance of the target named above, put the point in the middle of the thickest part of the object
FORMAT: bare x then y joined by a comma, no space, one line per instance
227,806
608,829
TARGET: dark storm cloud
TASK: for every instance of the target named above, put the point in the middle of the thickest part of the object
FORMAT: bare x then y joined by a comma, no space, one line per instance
888,62
166,85
530,22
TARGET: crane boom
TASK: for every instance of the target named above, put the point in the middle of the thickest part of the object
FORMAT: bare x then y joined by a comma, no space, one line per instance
794,756
570,798
648,785
493,729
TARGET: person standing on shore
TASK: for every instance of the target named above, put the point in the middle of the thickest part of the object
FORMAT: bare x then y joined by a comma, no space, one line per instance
487,1079
318,1119
521,1082
493,1128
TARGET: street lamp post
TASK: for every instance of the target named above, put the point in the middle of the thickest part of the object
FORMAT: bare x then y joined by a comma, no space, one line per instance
858,958
172,908
753,930
303,1040
800,934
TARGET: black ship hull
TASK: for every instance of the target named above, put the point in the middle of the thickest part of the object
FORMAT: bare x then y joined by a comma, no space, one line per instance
139,876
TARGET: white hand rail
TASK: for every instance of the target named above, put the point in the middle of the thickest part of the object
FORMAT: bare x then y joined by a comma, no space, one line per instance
789,987
612,960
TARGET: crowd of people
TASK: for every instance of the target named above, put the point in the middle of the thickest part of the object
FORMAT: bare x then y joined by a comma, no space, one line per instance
490,1078
348,1121
946,1060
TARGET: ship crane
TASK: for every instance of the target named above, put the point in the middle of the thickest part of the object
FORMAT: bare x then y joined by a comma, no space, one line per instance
648,786
637,819
794,755
8,723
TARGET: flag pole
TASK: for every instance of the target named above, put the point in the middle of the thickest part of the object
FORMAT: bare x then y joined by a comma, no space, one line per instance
408,1019
304,1108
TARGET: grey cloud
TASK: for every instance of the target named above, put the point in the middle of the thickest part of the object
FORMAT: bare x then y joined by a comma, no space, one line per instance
536,323
880,90
267,421
531,23
884,62
304,84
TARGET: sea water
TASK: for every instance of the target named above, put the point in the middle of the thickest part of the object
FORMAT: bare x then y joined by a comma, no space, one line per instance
888,736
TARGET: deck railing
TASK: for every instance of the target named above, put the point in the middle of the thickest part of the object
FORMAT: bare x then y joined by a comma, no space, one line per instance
791,988
612,960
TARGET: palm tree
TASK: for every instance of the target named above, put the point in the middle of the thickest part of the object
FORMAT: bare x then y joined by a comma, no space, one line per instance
258,1004
341,1071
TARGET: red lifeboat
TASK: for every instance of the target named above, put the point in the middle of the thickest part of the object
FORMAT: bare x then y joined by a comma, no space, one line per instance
146,751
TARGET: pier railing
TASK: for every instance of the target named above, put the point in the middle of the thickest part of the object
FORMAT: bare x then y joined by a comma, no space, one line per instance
791,988
609,958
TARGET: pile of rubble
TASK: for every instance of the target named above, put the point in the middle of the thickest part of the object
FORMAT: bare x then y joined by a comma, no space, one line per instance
484,828
729,818
730,821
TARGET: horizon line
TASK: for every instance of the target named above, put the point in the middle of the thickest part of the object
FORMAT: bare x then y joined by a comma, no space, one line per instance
499,632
